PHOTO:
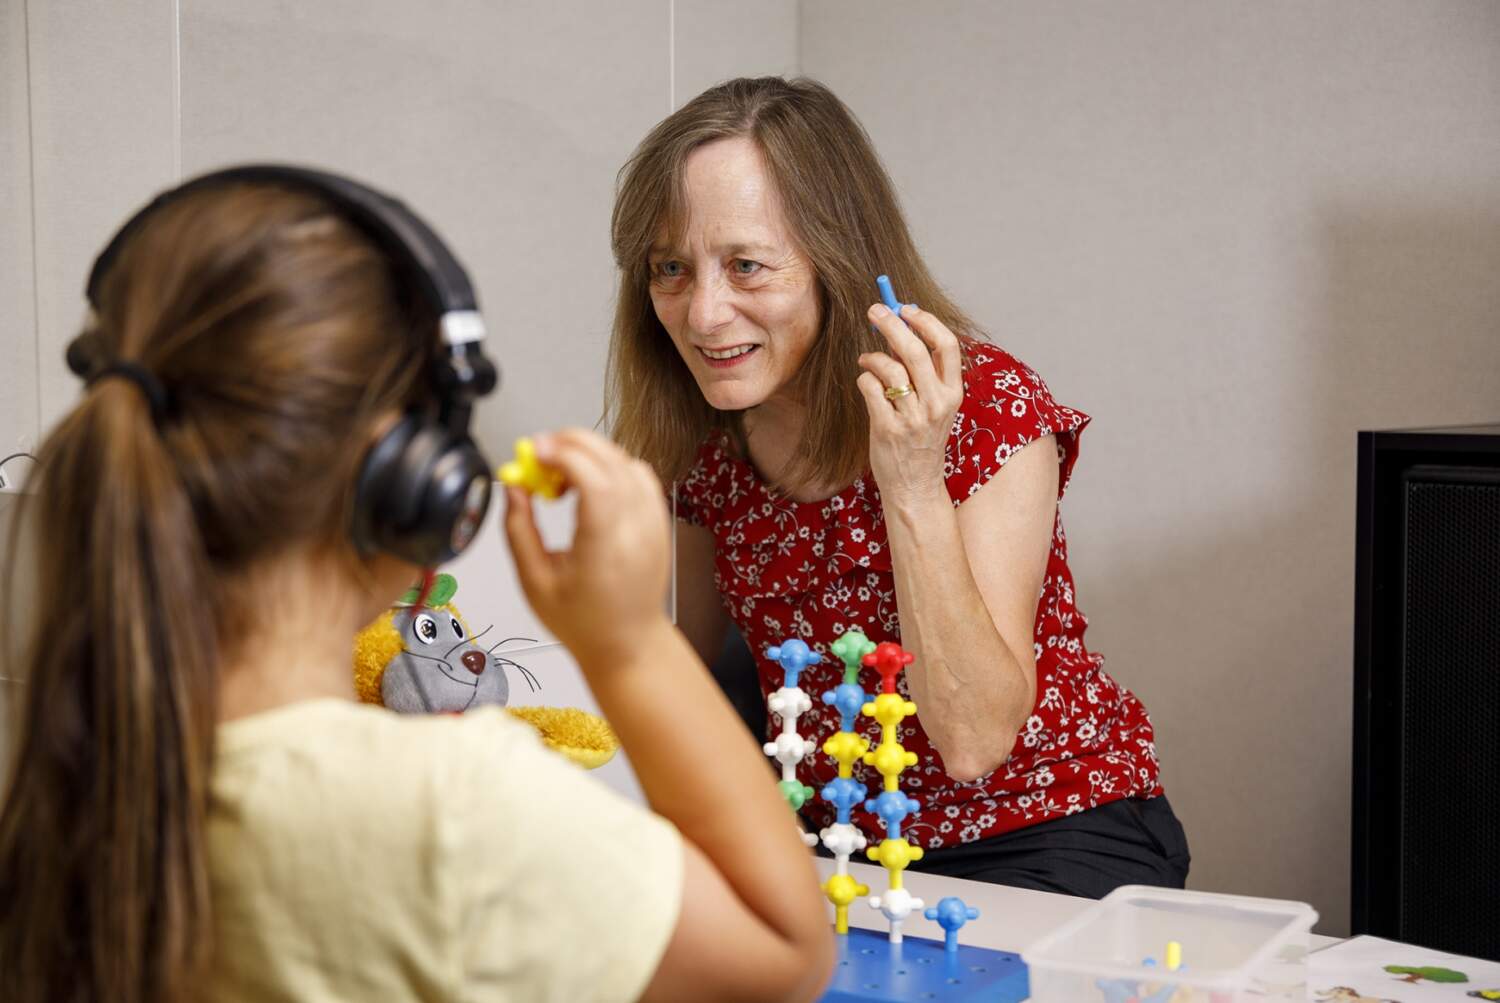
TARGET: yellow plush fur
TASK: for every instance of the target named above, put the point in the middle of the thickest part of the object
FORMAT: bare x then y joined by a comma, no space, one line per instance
585,738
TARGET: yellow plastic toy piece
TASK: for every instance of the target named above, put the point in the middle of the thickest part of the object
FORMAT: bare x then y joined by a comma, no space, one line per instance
841,890
894,855
890,709
1174,955
889,759
846,747
527,473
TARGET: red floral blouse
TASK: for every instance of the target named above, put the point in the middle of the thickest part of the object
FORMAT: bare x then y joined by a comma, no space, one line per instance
816,569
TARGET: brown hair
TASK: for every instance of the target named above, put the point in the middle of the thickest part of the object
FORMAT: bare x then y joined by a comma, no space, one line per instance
277,332
843,213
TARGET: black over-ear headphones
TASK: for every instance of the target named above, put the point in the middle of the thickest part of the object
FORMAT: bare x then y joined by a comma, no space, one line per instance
424,488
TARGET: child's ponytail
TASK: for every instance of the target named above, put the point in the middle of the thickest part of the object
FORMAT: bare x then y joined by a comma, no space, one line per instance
107,889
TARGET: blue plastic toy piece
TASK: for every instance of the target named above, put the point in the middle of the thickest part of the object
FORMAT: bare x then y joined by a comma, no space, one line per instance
870,969
951,914
888,294
892,807
848,698
794,656
843,793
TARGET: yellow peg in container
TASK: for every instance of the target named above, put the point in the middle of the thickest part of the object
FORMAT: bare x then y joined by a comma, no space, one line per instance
529,474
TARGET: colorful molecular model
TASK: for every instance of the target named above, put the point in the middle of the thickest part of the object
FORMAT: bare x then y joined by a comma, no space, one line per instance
529,474
842,838
789,703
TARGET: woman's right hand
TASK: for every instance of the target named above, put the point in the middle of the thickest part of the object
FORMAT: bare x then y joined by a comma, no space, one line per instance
605,595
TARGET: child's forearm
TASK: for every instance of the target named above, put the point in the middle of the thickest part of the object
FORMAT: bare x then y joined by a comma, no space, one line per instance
703,771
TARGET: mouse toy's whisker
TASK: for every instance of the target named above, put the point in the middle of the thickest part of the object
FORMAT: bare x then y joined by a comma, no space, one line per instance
509,639
531,679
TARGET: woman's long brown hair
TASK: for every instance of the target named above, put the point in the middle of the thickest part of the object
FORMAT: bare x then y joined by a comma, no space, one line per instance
844,214
276,331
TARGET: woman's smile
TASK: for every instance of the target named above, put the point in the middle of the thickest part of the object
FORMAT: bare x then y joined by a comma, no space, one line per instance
727,358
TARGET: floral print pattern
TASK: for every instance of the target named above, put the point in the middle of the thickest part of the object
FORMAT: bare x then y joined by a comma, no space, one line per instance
816,569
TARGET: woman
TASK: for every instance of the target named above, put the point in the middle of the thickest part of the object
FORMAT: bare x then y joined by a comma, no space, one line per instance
200,807
836,463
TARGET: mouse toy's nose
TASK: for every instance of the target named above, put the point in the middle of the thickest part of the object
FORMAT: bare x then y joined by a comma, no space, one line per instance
474,661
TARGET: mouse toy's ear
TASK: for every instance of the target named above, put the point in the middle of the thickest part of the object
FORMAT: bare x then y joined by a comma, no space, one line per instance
444,588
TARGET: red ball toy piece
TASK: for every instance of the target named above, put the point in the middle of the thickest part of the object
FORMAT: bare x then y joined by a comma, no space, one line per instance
888,659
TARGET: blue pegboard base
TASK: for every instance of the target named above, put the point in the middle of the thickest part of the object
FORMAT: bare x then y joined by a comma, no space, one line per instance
870,969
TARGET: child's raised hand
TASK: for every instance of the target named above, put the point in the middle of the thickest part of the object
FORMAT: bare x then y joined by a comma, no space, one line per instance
605,595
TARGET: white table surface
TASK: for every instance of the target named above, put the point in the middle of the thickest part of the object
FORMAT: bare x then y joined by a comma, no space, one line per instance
1009,918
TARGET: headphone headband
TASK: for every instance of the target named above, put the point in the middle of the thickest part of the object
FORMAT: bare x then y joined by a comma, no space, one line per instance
398,231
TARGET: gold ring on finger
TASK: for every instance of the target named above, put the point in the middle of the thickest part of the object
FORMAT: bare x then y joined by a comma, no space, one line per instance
894,393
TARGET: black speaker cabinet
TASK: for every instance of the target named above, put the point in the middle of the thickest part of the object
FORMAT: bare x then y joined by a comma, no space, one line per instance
1426,861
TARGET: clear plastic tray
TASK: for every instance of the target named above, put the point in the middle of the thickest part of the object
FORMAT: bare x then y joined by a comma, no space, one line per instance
1234,949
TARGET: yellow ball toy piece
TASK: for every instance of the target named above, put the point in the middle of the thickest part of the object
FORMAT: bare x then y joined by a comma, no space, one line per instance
894,855
529,474
846,747
842,889
889,759
890,709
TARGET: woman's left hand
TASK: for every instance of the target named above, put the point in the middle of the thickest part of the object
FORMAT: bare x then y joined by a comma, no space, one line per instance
909,431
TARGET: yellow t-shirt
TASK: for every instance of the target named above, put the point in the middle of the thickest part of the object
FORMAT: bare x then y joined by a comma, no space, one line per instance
358,854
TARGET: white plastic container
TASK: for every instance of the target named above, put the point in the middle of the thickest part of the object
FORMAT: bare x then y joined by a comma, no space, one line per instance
1232,947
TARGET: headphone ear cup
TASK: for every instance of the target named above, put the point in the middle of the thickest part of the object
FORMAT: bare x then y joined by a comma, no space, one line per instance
458,496
406,495
374,520
422,494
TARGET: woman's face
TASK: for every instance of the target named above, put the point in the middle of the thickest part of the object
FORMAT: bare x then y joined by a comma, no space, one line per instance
737,297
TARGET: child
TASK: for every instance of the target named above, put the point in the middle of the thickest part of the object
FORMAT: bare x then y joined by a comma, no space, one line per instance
201,810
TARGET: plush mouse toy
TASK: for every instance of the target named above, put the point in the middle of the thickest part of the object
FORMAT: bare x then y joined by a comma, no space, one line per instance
422,659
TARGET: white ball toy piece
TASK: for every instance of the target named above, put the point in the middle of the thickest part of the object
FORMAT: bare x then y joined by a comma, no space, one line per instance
842,839
809,839
789,749
789,703
895,904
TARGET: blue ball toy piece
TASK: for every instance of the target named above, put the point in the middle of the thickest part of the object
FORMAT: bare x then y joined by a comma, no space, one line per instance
793,656
848,698
951,913
843,793
892,807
